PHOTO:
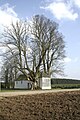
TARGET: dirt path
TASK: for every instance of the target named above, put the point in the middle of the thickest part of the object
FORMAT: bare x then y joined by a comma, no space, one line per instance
15,93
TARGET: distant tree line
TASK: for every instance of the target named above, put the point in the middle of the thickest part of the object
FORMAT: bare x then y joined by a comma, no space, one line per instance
64,81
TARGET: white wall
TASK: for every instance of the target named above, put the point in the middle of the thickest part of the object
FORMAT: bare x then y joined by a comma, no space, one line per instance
45,83
24,84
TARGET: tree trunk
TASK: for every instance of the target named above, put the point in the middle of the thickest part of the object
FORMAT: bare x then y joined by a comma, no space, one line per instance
34,86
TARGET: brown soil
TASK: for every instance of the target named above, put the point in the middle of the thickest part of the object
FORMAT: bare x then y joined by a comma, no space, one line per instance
45,106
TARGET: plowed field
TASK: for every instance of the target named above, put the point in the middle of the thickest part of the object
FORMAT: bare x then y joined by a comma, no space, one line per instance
44,106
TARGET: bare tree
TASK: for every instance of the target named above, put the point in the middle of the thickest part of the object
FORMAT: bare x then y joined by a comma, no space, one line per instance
18,52
9,72
35,48
49,44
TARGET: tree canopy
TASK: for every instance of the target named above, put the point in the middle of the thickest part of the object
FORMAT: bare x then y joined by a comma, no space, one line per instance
34,48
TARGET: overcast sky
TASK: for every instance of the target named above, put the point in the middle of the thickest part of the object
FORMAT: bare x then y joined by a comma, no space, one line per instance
65,12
